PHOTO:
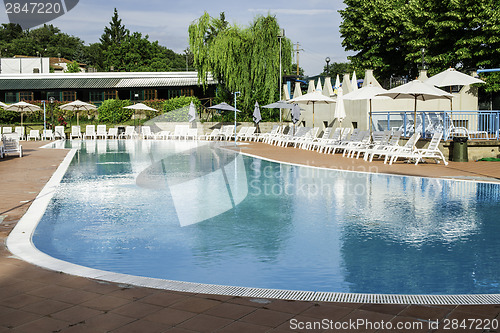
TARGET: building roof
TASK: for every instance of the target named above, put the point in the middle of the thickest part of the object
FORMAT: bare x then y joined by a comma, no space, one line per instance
104,80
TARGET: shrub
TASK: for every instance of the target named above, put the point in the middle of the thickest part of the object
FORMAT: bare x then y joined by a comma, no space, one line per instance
112,111
176,109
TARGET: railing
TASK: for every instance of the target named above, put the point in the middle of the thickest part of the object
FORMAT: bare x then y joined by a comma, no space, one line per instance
477,125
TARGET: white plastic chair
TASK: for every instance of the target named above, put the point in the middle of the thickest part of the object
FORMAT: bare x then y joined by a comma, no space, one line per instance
20,131
75,132
48,134
112,133
146,133
101,132
7,130
11,145
59,133
34,134
89,132
129,133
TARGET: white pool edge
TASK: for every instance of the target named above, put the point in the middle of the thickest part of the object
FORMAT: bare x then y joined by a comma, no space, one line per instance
20,245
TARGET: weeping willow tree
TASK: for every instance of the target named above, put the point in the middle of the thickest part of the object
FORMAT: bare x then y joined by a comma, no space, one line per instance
241,59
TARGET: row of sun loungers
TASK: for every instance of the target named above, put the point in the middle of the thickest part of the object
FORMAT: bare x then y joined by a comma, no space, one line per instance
382,145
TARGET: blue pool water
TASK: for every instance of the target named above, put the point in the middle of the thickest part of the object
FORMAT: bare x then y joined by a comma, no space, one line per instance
179,211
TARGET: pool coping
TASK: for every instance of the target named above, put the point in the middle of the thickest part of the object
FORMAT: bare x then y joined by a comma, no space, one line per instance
20,244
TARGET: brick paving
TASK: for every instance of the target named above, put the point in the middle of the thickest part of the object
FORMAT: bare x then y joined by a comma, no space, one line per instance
33,299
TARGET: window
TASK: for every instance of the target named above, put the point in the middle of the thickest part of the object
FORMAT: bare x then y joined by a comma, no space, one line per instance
96,96
187,92
10,97
110,94
136,95
26,96
150,94
53,94
68,96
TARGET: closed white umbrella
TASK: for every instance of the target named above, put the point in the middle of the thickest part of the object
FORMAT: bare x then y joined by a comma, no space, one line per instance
354,81
295,113
192,112
337,84
22,107
256,113
313,98
78,106
416,90
339,107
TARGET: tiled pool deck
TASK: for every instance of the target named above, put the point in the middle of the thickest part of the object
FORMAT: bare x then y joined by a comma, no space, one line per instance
33,299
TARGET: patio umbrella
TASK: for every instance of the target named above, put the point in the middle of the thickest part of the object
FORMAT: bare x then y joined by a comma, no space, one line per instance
278,105
22,107
452,77
141,107
368,92
256,114
223,107
192,112
3,105
339,107
78,106
416,90
313,98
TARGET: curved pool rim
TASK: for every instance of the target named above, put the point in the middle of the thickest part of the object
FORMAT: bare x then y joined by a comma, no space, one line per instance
20,244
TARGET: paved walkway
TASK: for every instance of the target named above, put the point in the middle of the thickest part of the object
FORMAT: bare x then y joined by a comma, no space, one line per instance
33,299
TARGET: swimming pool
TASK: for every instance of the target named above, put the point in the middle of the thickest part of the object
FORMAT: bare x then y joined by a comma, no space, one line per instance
144,208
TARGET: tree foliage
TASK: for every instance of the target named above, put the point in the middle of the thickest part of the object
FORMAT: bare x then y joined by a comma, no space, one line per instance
390,36
241,59
117,48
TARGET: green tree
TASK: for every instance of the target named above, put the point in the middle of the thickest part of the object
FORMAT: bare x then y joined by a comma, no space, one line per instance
115,34
241,59
390,36
337,68
73,67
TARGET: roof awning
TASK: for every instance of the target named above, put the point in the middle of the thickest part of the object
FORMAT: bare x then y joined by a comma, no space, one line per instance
105,81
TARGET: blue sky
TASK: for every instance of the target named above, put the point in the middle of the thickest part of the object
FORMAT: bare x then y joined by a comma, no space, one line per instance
312,23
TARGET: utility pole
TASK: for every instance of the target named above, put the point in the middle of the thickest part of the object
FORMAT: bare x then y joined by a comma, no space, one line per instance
297,57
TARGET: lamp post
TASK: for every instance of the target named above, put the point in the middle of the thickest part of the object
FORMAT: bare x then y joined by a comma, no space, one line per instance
236,93
327,59
51,100
281,34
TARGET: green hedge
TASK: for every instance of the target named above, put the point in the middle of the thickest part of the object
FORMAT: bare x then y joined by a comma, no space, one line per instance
112,111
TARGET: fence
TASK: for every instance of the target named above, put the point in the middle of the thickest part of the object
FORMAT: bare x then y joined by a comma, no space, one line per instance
482,125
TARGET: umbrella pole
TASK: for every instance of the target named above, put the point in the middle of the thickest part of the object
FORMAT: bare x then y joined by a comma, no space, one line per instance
370,126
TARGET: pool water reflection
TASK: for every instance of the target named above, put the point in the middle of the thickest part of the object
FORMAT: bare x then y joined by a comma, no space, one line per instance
256,223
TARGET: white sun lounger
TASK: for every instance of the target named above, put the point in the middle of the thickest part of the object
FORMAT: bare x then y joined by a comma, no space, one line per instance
418,155
11,145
